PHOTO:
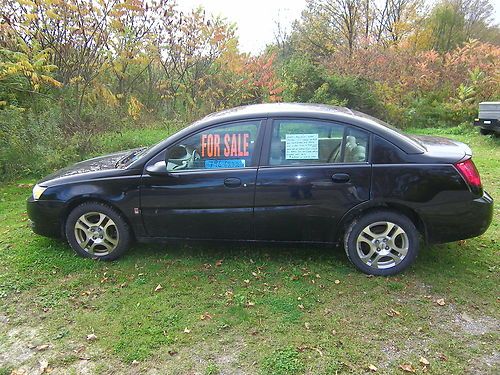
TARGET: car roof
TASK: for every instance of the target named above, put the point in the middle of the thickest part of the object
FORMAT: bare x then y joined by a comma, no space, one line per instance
300,110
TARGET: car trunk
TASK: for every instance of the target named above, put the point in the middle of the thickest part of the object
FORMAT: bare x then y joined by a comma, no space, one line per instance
444,149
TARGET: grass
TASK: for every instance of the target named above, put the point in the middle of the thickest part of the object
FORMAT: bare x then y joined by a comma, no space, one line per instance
246,308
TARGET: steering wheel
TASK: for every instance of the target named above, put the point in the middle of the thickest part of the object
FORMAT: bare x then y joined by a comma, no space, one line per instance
195,155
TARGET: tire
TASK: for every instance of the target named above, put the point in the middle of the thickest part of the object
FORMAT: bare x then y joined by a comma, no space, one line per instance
96,230
485,131
395,233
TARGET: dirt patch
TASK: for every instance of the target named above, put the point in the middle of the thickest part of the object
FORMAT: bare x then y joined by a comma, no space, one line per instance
16,348
478,325
488,364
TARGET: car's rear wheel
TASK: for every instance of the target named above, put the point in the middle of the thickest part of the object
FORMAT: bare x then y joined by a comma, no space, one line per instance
382,243
96,230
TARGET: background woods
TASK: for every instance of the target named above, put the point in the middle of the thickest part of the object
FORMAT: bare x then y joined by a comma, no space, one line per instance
71,70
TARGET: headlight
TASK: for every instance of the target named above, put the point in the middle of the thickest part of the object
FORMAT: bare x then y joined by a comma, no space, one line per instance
38,191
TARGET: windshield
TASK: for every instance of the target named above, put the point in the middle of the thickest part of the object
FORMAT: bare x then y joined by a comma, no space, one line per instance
389,126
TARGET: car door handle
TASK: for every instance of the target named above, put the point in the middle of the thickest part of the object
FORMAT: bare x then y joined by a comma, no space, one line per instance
341,178
232,182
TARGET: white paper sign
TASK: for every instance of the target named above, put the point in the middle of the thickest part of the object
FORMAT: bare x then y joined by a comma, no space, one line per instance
301,146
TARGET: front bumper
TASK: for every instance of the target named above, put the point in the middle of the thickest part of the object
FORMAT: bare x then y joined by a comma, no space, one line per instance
45,217
460,220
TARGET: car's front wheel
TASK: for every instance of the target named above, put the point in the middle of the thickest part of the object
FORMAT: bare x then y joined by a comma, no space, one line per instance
382,243
96,230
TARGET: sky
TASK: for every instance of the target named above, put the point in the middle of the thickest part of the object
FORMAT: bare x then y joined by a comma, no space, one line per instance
256,19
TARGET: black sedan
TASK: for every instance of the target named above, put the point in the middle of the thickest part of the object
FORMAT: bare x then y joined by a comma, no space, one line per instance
296,173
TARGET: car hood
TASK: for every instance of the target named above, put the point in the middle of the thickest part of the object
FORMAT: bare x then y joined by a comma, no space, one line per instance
99,163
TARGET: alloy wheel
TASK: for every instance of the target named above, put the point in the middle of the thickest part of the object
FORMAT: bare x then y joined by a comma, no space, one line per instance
382,245
96,233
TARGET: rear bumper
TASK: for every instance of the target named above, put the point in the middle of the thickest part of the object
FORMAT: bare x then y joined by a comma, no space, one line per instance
45,217
489,124
464,220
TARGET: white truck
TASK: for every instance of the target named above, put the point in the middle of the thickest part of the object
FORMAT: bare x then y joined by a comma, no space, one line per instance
489,118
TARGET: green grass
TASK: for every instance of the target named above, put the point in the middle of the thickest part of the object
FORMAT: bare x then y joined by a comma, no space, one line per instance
265,309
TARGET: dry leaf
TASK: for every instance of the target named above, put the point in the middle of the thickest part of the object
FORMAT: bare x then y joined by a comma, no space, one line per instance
441,302
135,362
187,330
206,316
42,347
307,325
91,337
372,368
407,367
301,307
337,282
424,361
250,304
158,288
246,281
172,352
393,313
442,357
218,263
44,364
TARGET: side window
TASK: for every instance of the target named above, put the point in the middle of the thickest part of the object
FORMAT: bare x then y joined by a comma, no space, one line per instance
356,146
226,146
316,142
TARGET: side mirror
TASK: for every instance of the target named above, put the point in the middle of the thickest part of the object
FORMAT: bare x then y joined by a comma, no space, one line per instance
157,169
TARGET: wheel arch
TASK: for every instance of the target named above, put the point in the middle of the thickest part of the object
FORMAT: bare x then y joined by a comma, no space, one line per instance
364,209
75,202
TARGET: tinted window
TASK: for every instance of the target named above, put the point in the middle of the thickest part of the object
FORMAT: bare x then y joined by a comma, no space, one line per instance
316,142
227,146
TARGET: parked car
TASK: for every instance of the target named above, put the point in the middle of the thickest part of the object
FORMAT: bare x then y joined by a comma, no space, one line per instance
488,119
295,173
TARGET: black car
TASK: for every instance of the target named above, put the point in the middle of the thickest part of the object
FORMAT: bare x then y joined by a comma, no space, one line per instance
297,173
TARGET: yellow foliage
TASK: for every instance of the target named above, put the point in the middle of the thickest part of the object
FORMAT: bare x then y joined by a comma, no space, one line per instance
134,107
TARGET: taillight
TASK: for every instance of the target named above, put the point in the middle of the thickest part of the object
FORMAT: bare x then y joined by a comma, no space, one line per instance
469,172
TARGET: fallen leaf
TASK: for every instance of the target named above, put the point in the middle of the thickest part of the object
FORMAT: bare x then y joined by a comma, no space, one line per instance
172,352
407,367
218,263
441,302
301,307
442,357
424,361
135,362
187,330
372,368
250,304
158,288
91,337
44,365
205,316
42,347
246,281
307,325
393,313
337,282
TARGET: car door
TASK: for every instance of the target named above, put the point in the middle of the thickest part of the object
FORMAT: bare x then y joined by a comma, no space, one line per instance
207,191
312,172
